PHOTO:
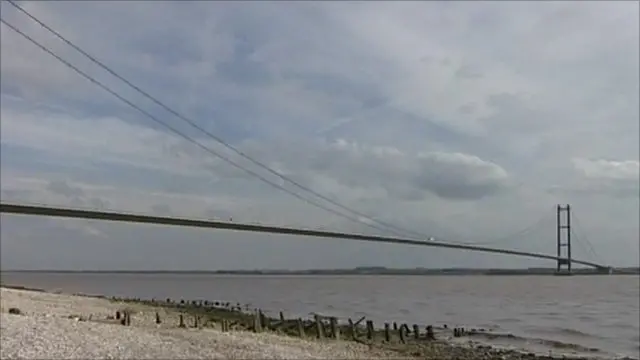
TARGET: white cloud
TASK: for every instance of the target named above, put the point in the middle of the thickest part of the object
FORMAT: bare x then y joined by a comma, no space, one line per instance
428,115
626,170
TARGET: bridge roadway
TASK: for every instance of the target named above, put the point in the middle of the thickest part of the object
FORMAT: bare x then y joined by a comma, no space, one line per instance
211,224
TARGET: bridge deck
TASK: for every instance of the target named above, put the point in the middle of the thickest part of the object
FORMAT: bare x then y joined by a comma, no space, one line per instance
148,219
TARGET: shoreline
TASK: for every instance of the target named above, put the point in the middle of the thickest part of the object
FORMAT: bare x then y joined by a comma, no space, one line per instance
619,271
224,319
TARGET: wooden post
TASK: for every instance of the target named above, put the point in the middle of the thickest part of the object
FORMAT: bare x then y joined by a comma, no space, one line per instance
181,324
128,318
257,326
319,326
335,330
264,321
117,315
353,330
224,325
282,317
387,335
395,326
416,331
430,334
300,328
195,321
404,329
369,329
157,318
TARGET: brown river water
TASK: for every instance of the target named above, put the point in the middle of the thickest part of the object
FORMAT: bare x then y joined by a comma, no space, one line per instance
573,315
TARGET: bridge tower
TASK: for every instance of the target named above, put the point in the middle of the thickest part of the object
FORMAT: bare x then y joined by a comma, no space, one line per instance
563,224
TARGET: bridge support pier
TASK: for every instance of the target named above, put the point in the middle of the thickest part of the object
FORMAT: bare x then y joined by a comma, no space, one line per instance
563,242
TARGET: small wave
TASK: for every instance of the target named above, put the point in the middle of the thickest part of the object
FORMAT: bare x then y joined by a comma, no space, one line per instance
566,332
574,332
508,320
544,342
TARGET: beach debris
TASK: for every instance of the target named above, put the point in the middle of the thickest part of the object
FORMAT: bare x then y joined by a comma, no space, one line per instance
15,311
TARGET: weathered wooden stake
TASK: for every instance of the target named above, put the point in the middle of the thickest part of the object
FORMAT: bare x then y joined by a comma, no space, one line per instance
353,330
369,329
319,326
401,333
264,321
282,317
224,325
181,324
335,330
300,328
117,315
157,318
430,334
416,331
395,326
387,335
257,326
127,317
195,321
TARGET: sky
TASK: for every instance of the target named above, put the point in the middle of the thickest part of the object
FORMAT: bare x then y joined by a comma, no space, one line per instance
465,121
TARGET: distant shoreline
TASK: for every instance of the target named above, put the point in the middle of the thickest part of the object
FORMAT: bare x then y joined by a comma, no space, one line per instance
373,271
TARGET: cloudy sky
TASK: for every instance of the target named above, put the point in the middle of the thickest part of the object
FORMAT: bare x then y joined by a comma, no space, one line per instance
466,121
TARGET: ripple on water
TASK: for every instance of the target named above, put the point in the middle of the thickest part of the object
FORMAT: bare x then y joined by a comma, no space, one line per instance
568,331
508,320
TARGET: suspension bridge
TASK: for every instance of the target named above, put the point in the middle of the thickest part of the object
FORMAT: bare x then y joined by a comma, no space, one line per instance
561,261
563,256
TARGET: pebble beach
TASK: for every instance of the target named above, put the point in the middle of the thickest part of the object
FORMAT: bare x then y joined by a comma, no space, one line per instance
55,326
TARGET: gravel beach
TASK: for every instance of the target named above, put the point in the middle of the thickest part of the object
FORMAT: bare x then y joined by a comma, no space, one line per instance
49,327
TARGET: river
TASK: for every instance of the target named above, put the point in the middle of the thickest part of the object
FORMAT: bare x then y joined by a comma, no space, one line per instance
544,313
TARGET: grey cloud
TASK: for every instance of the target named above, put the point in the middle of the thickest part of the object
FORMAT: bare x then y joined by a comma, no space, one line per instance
468,72
162,209
15,194
619,190
625,170
461,177
99,204
212,213
617,178
63,188
467,108
74,194
404,176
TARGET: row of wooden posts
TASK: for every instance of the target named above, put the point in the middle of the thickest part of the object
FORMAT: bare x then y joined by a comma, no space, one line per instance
317,327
